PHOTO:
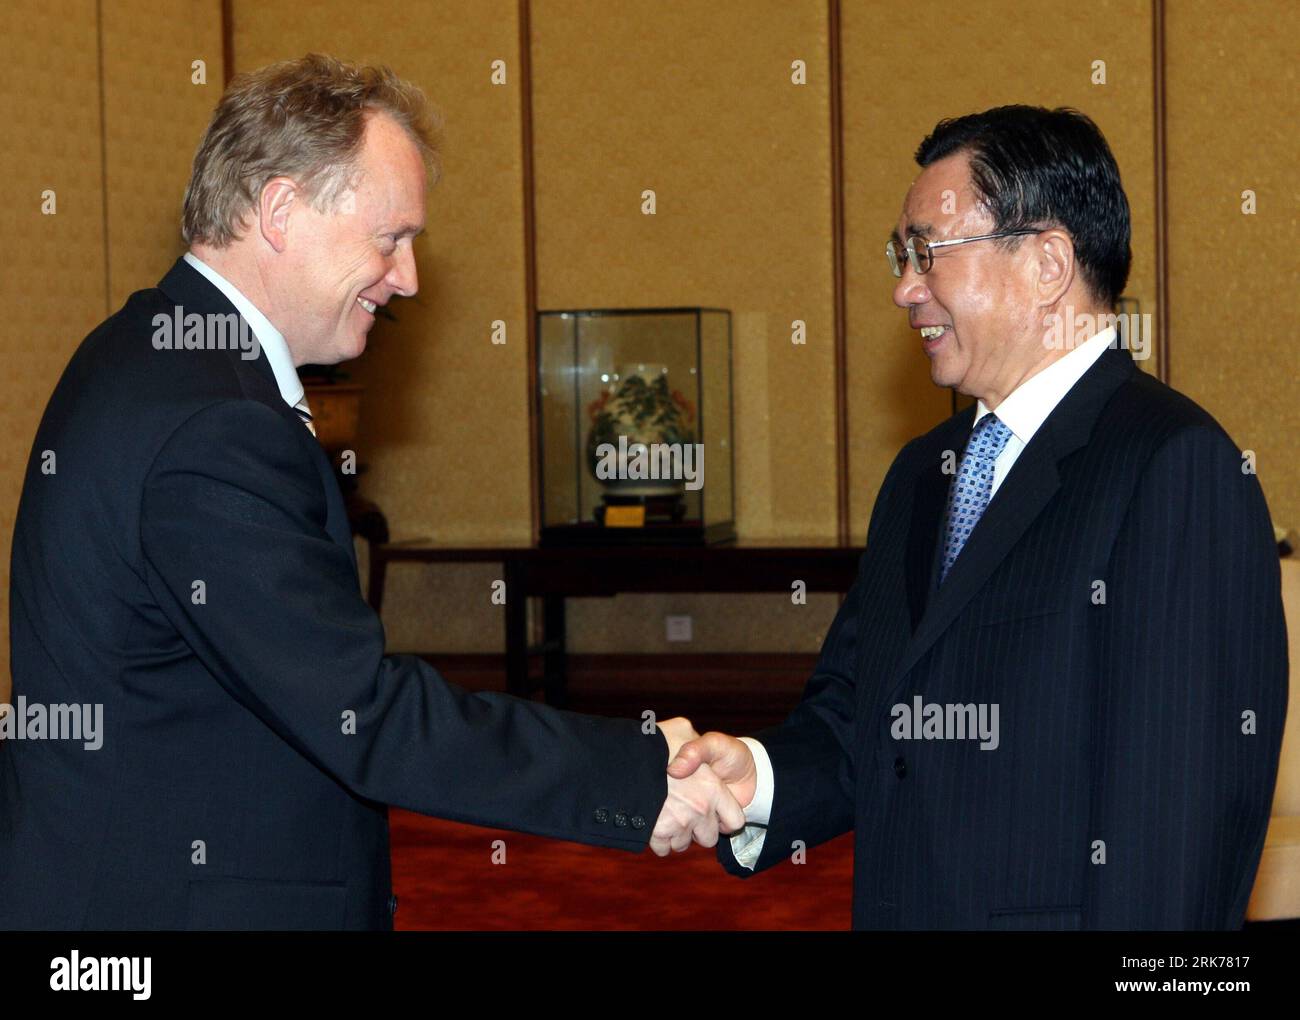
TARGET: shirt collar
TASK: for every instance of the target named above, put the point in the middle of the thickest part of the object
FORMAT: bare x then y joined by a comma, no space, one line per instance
269,338
1027,406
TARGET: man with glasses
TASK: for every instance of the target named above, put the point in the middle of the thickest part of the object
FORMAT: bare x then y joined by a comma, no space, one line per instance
1055,696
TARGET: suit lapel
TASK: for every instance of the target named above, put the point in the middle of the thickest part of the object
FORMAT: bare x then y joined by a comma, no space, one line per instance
187,287
194,292
1022,496
191,290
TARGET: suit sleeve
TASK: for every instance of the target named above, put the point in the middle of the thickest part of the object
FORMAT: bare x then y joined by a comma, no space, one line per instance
1191,695
234,501
812,752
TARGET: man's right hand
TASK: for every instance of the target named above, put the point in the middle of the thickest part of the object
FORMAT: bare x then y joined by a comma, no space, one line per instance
728,757
699,804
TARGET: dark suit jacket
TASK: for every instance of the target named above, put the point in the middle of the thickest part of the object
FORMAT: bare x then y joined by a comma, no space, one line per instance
1140,723
228,791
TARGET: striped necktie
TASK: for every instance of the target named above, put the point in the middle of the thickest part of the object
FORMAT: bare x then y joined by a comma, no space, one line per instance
972,487
304,412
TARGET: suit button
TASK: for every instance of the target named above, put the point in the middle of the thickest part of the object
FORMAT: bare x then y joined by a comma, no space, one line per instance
620,820
900,767
602,815
638,822
392,905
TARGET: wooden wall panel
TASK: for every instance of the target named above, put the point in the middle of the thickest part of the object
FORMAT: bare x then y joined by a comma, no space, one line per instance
445,415
1234,107
154,116
696,103
52,278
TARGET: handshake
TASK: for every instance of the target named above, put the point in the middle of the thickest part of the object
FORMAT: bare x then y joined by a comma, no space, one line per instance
711,780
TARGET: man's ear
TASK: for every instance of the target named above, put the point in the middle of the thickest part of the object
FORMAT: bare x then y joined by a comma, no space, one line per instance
1054,262
278,199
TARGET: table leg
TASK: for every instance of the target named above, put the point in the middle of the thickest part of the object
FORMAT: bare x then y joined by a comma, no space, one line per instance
378,567
555,682
516,632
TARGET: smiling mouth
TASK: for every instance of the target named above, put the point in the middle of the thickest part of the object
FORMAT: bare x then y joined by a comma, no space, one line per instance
932,332
369,306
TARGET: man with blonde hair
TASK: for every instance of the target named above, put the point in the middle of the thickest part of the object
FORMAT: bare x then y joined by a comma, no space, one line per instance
182,561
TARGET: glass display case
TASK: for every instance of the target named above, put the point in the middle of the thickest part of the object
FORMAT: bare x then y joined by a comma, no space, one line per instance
635,426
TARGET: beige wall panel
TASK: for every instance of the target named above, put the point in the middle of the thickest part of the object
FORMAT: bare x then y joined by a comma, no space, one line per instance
696,102
944,59
730,623
154,116
445,412
1234,107
51,267
443,607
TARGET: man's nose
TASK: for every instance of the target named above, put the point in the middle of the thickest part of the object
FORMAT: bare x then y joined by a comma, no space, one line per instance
910,289
403,277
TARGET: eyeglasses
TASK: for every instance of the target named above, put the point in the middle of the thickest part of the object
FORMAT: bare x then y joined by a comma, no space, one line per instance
919,252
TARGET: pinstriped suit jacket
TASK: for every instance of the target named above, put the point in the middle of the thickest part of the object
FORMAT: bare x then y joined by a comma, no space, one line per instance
1120,604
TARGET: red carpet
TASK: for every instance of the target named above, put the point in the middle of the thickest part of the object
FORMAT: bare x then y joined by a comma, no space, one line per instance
445,880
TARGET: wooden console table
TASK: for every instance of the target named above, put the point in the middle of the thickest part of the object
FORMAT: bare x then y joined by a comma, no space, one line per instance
554,574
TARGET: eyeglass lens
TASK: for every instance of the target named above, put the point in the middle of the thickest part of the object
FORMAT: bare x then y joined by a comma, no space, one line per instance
917,252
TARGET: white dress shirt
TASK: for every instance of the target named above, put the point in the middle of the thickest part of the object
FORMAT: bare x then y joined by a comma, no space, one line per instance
1023,411
269,338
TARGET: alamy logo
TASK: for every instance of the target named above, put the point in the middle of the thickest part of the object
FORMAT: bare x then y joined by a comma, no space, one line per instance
23,721
1133,331
933,721
652,461
182,331
75,973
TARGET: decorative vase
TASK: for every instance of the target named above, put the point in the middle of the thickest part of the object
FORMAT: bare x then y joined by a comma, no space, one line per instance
637,411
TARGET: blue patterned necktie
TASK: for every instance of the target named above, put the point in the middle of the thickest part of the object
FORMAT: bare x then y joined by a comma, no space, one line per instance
970,490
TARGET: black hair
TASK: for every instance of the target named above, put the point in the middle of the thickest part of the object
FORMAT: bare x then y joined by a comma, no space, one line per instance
1034,167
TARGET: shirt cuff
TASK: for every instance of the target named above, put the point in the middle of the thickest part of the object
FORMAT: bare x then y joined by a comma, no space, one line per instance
760,808
747,845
